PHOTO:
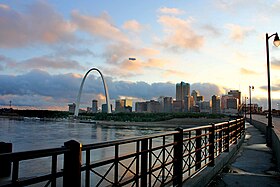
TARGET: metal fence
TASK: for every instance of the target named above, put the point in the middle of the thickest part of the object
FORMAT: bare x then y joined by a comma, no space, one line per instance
152,160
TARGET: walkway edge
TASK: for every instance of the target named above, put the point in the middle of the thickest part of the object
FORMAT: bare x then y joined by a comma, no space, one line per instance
206,175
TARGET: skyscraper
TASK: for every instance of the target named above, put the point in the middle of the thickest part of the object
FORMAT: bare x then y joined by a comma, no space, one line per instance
236,94
216,104
94,106
182,90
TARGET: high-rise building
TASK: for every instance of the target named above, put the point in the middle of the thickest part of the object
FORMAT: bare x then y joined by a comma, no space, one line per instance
141,107
94,106
216,104
236,94
195,95
182,90
104,108
153,106
168,102
72,107
123,105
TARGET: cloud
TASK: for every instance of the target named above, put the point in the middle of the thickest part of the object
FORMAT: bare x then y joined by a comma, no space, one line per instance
275,64
37,23
172,73
50,63
208,89
180,34
133,25
247,71
211,30
100,27
174,11
238,33
275,87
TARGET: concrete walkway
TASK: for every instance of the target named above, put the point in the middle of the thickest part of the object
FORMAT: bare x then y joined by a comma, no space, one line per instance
252,166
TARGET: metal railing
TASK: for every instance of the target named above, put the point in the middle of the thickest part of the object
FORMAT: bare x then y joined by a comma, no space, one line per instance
152,160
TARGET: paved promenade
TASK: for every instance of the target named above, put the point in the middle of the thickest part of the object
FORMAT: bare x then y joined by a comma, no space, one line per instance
252,166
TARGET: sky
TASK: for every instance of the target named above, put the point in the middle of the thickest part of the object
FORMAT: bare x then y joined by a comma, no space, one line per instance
46,47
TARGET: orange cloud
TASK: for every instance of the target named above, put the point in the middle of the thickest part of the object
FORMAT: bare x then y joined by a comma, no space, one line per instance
99,26
238,33
133,25
247,72
169,73
38,23
180,34
165,10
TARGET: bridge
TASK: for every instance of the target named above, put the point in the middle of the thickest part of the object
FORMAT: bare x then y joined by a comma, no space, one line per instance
183,157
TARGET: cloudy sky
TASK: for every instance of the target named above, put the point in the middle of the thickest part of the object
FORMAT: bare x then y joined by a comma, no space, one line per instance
46,47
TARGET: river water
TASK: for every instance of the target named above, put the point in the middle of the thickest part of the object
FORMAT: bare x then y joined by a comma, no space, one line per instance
28,135
35,134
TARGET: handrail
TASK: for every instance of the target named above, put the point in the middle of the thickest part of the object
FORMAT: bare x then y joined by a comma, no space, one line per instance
157,159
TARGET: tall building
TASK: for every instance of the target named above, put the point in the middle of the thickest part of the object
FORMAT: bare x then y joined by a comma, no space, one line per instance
236,94
72,107
204,106
104,108
94,106
123,105
195,94
141,107
182,90
153,106
216,104
168,102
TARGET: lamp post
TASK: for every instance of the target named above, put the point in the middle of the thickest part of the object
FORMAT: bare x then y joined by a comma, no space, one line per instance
245,106
250,91
276,42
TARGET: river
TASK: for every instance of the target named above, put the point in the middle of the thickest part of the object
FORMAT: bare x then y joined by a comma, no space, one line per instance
28,135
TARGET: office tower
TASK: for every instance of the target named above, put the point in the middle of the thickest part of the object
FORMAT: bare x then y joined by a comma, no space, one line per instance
104,108
153,106
140,107
94,107
168,102
236,94
72,107
123,105
216,104
182,90
195,95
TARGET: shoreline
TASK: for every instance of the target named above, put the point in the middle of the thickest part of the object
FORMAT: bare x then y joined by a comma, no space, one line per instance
175,122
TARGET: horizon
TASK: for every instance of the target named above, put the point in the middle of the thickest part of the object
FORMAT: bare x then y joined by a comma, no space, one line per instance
142,48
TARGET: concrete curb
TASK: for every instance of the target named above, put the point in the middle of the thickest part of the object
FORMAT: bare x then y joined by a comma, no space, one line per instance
206,175
275,140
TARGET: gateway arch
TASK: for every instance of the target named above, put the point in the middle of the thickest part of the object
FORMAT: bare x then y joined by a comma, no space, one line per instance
81,88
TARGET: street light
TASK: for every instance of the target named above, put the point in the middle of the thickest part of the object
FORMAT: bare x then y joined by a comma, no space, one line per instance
250,90
276,42
245,106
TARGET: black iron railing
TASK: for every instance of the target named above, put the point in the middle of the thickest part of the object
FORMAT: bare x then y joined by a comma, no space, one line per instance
154,160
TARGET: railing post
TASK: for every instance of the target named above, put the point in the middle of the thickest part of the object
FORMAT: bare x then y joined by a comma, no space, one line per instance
212,145
144,162
227,139
5,164
72,164
178,158
235,132
220,144
198,149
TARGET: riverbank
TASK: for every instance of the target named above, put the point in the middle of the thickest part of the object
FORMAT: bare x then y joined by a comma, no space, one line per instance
176,122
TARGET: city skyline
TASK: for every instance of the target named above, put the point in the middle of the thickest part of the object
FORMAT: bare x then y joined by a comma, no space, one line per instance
216,46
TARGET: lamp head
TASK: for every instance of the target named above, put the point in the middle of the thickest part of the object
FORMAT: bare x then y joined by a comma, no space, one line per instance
276,41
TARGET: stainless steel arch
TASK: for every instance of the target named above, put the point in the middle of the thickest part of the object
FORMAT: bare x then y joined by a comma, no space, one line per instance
81,88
